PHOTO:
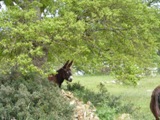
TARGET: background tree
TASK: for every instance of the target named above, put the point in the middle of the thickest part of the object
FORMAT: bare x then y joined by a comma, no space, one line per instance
122,35
152,2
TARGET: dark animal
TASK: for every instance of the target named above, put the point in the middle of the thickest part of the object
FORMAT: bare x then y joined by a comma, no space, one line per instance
63,73
155,102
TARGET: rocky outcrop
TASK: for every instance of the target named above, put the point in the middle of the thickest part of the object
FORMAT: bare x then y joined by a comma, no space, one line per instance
82,111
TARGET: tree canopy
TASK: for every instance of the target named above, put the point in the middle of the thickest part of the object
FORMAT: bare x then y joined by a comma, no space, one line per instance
121,35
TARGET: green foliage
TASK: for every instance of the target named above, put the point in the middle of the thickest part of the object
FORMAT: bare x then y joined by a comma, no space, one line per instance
104,33
106,114
28,98
107,105
128,72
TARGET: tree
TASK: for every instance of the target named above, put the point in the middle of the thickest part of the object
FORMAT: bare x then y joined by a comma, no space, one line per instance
151,2
119,34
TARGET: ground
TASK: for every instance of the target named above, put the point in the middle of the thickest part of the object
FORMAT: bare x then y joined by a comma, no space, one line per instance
139,95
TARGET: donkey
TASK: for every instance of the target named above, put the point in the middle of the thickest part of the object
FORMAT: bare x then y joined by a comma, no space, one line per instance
155,102
63,73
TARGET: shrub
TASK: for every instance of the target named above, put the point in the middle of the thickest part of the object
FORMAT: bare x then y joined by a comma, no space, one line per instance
107,105
31,97
106,114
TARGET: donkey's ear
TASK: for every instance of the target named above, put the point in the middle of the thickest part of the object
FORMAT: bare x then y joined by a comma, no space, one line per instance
69,65
66,64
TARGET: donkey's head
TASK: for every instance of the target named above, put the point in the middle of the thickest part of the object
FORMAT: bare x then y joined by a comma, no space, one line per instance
65,72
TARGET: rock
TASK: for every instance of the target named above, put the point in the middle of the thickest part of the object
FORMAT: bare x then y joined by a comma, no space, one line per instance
82,111
124,116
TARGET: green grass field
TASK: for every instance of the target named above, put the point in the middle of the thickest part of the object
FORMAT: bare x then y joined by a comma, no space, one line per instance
139,95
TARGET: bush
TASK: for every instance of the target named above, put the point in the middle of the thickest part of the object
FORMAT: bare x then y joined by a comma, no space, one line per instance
31,97
106,114
107,105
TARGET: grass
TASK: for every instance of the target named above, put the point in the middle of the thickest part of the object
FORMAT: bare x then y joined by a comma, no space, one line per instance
139,95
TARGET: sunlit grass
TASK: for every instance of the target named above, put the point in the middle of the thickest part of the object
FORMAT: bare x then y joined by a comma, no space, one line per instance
139,95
